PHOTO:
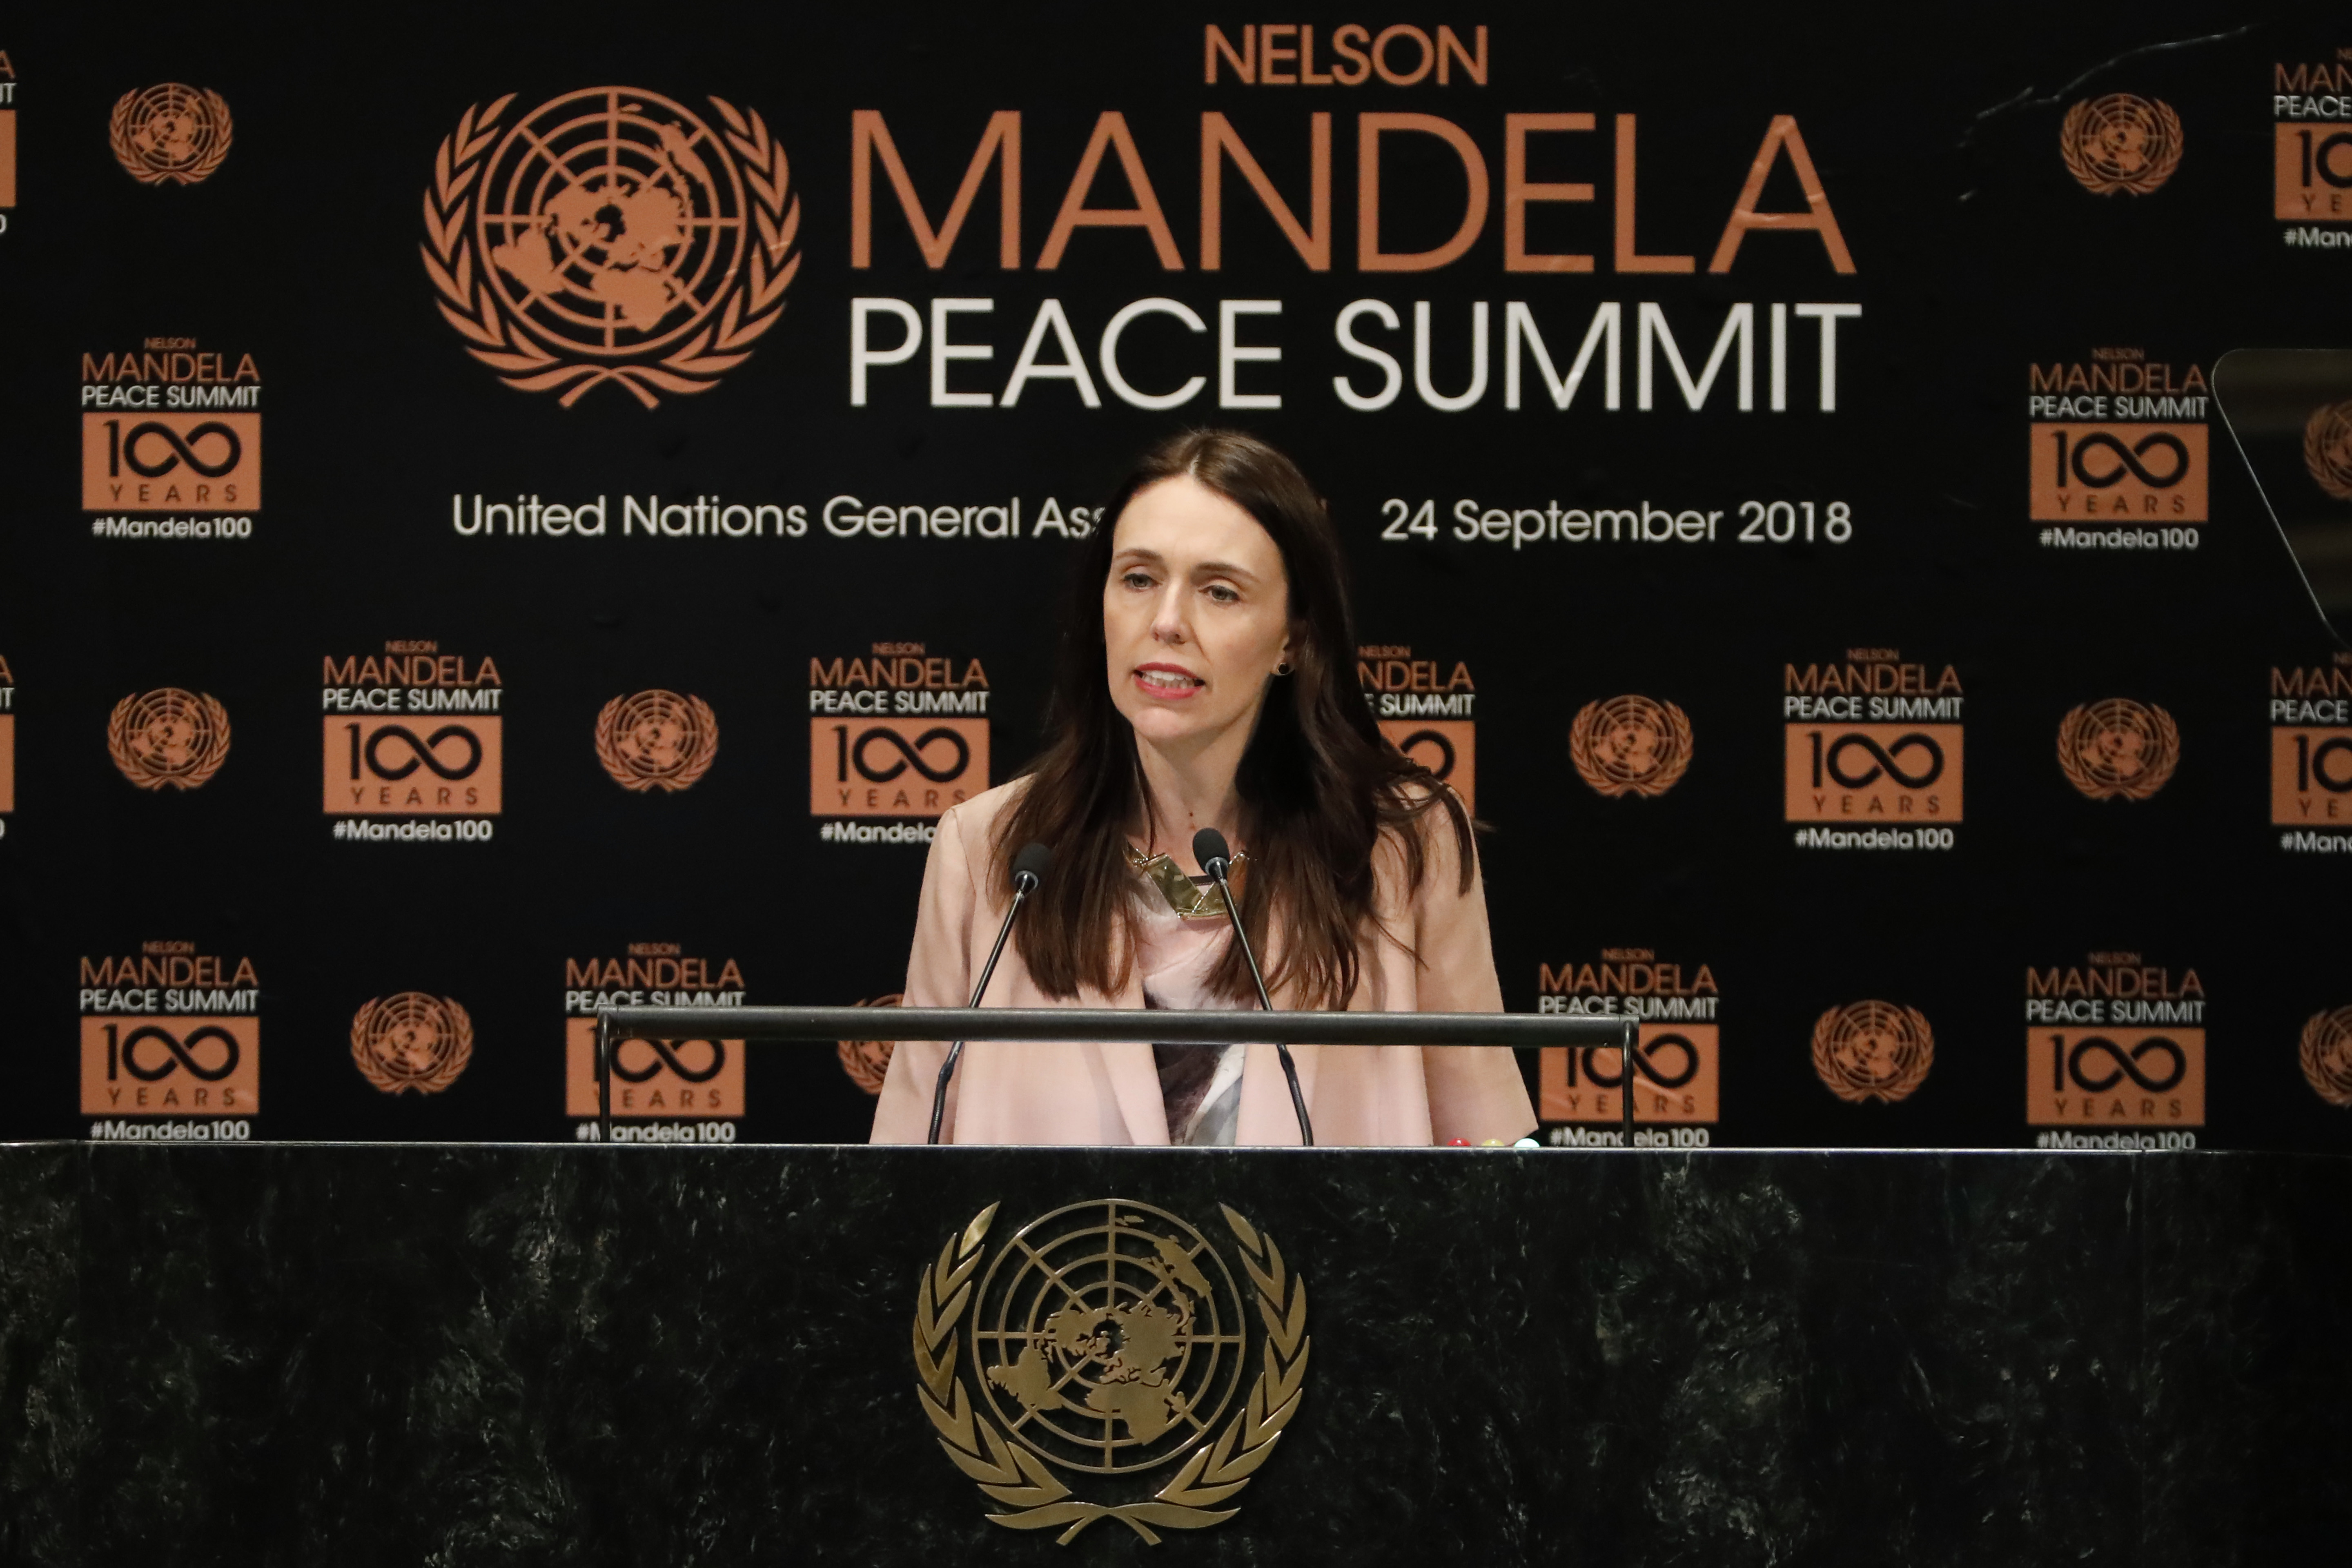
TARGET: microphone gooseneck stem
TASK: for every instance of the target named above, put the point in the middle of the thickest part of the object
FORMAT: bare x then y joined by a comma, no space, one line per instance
955,1051
1216,868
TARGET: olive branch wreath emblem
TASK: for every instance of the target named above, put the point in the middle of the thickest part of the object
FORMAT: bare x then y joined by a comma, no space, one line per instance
123,124
694,759
381,1013
1913,1064
1033,1495
2078,134
752,302
2326,1052
2081,727
1675,736
207,751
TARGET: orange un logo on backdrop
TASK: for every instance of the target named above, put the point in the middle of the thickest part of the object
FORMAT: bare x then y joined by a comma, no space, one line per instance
2119,749
610,234
412,1040
170,134
1873,1050
657,741
2121,142
1630,746
2326,1055
2328,448
867,1062
168,737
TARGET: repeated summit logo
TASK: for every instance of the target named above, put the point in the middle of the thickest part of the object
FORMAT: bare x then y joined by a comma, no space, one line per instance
2311,102
897,732
2117,749
169,1031
2115,1041
1679,1044
168,737
1630,746
1872,741
610,234
2121,142
7,138
1426,711
412,733
657,741
2117,441
170,135
411,1040
1873,1050
693,1075
170,428
2311,745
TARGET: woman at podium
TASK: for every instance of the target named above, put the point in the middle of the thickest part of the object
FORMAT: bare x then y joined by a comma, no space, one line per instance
1207,678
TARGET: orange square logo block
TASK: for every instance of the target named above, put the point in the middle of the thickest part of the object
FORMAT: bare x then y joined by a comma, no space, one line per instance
413,766
171,1066
1873,775
2103,474
895,767
696,1077
2313,173
7,762
2311,777
1446,747
2100,1076
1679,1081
171,462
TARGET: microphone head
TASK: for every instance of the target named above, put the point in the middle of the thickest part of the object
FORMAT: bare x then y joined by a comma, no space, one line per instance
1209,845
1030,865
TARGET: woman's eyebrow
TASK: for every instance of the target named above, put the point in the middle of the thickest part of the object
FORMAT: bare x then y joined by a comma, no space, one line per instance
1224,569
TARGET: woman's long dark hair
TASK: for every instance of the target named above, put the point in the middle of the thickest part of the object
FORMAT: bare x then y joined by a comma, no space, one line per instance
1320,784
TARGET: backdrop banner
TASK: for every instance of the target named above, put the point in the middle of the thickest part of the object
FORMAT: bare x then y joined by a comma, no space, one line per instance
1789,475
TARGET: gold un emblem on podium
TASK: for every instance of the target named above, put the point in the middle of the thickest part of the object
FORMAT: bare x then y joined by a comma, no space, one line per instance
1108,1373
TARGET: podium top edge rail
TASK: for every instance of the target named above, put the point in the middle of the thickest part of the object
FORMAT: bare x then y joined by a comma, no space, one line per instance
828,1024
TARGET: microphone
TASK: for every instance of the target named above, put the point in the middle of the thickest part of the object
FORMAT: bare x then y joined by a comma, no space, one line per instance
1209,849
1029,869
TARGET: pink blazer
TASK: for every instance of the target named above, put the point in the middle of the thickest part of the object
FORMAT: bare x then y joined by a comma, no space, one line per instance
1106,1093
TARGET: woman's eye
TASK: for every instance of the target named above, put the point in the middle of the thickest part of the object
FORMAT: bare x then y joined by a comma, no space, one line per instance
1222,594
1136,580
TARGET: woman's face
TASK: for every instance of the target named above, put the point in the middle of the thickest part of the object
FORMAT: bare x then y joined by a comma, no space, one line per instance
1196,615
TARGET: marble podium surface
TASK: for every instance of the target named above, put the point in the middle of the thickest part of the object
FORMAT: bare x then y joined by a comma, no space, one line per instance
561,1354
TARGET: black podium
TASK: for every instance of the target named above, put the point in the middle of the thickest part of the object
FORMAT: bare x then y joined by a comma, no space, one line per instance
574,1354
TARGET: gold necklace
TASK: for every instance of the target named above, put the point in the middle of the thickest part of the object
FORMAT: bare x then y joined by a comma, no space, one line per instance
1190,900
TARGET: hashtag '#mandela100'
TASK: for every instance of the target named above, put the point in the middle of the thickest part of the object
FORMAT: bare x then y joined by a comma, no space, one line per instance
610,234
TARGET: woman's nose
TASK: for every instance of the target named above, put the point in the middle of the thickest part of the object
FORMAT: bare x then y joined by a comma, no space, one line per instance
1168,624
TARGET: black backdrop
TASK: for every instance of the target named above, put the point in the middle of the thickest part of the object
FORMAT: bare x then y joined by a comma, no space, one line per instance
1977,256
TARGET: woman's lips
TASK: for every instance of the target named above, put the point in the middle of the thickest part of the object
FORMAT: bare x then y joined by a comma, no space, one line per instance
1168,681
